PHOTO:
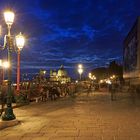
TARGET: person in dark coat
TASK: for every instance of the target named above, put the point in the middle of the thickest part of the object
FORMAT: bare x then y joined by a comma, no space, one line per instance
112,90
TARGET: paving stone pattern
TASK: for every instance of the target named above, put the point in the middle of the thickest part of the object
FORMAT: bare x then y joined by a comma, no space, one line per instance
93,117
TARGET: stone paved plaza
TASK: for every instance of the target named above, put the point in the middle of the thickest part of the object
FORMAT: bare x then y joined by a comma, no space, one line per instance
93,117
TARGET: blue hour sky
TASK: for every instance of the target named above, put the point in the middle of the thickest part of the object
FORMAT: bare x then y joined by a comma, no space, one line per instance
69,32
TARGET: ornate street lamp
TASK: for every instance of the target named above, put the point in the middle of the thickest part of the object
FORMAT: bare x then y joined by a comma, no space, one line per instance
20,41
9,44
9,19
80,70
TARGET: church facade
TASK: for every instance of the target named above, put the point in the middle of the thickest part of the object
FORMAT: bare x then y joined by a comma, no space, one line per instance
61,75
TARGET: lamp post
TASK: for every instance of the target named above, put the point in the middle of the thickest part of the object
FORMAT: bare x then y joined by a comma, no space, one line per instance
80,70
1,72
20,44
9,44
8,114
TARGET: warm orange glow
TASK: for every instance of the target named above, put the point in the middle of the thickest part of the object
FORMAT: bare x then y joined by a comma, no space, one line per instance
5,64
94,77
101,81
89,75
114,76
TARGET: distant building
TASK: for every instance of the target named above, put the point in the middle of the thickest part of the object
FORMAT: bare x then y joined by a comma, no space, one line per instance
61,75
53,75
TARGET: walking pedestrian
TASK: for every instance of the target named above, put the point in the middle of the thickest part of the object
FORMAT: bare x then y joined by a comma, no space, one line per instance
112,90
89,89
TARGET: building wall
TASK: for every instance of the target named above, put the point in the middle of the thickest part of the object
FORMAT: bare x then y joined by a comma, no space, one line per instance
131,52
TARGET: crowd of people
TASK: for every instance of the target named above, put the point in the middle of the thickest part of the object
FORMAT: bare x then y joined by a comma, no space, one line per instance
31,91
52,91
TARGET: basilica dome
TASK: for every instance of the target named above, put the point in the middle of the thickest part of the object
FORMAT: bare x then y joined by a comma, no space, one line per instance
62,72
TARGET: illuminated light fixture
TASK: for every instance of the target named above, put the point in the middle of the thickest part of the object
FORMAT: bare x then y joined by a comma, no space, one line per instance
80,66
9,17
113,76
94,78
80,71
101,81
108,81
89,75
8,43
20,41
5,64
44,72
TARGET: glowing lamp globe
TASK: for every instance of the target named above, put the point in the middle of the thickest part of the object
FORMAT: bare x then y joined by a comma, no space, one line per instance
9,17
80,71
6,64
20,41
80,66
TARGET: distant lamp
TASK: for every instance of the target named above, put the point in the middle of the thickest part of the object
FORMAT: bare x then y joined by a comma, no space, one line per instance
44,72
95,78
9,17
114,76
101,81
89,75
80,66
108,81
80,71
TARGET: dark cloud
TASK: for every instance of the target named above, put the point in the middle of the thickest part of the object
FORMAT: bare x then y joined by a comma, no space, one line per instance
71,31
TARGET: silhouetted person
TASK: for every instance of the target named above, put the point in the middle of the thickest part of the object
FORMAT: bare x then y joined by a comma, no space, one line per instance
89,89
112,90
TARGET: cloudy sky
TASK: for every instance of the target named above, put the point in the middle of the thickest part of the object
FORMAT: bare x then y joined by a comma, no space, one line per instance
69,32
